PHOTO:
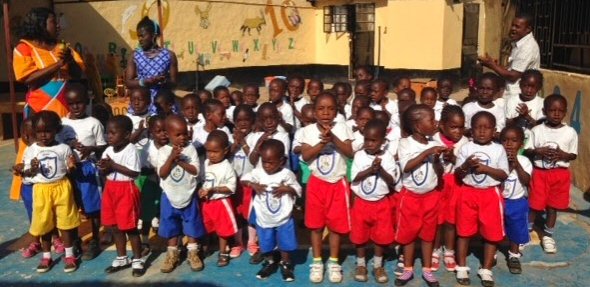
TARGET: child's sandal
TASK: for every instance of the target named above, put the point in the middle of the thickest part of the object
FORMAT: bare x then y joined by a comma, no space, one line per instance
463,275
514,265
223,260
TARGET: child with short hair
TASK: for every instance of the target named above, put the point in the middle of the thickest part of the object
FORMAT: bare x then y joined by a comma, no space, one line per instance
276,93
221,93
362,88
451,130
314,88
140,100
428,96
304,172
487,88
215,119
178,168
276,188
121,165
218,185
47,163
268,117
358,103
363,116
482,166
417,214
515,192
526,109
236,97
400,83
85,135
343,91
251,96
325,147
381,101
363,73
444,88
191,110
295,86
204,95
373,176
165,102
553,146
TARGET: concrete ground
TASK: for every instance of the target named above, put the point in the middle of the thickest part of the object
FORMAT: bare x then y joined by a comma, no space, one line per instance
569,267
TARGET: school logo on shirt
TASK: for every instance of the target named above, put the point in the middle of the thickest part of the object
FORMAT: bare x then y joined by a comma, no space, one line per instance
509,187
397,173
484,159
369,184
272,203
177,174
48,164
210,180
546,163
239,164
326,160
420,174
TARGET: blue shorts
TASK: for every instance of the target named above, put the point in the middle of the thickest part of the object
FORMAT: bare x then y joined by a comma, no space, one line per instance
516,220
175,222
294,162
26,193
87,186
284,235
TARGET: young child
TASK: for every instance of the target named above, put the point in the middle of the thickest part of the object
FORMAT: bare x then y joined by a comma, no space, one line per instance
486,90
482,166
204,95
343,92
276,94
276,189
364,115
373,173
526,109
419,198
295,97
218,185
381,102
314,88
400,83
191,110
325,147
552,146
428,96
304,172
46,163
251,96
236,97
178,168
120,163
515,191
358,103
444,88
452,127
214,120
140,100
363,73
165,102
269,118
85,135
362,88
221,93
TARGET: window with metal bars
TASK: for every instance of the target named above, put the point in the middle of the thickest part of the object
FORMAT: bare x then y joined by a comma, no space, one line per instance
562,29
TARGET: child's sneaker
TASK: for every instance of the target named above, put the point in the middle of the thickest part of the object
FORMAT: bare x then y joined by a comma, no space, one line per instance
236,251
334,272
487,277
436,260
403,279
138,267
223,259
380,275
194,260
399,269
252,248
316,272
267,270
462,275
58,246
92,251
287,271
172,260
118,264
31,250
44,265
514,265
429,278
449,260
549,245
360,274
70,264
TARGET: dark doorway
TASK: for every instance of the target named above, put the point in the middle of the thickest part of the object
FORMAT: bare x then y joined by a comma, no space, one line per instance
363,35
470,40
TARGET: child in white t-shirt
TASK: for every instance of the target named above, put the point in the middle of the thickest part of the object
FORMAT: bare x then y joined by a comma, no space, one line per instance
526,109
276,94
215,119
269,119
221,93
381,101
363,116
140,101
295,98
444,88
191,110
487,88
276,189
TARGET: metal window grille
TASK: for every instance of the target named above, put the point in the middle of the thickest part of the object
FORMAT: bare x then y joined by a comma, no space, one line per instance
365,17
562,29
336,19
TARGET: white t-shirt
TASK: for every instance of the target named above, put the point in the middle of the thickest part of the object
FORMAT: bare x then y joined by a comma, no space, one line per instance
340,118
422,179
143,138
450,166
472,108
564,137
127,157
241,162
330,164
524,56
492,155
535,106
391,108
283,137
348,111
219,175
358,141
372,188
297,139
88,131
270,210
200,123
53,162
200,136
229,113
149,155
179,185
439,106
351,124
513,188
298,106
287,114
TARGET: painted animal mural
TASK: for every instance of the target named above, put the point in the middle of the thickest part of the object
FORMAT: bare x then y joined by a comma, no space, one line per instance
253,23
204,15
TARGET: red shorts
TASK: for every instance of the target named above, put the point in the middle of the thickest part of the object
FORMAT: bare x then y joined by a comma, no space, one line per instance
120,204
448,200
550,188
327,204
483,210
394,203
416,216
243,201
371,220
218,217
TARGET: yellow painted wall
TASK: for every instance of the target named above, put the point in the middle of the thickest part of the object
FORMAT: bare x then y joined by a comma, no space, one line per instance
452,36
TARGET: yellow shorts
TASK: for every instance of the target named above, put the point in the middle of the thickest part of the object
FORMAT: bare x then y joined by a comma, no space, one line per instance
53,206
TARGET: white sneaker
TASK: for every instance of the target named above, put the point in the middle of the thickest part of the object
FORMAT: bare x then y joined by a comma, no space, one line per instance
487,277
462,275
549,245
316,272
335,273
